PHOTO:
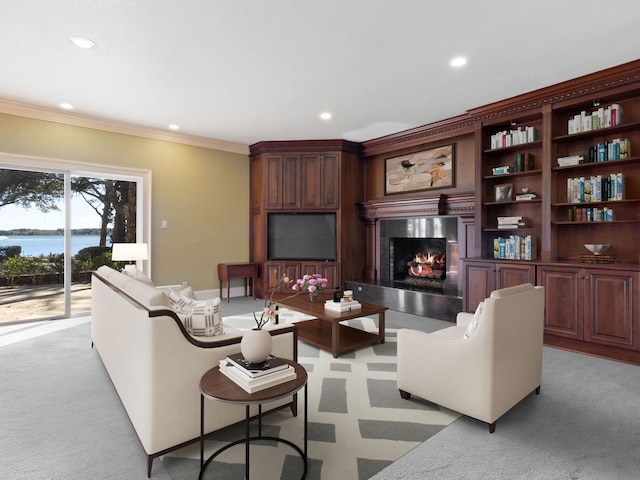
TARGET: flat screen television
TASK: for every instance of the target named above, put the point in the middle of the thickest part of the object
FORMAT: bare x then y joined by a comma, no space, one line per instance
301,236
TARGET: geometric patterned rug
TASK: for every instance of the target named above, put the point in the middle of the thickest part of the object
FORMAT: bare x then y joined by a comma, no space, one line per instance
357,422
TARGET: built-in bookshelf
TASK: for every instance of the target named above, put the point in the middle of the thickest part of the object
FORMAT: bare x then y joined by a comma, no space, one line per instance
595,195
511,179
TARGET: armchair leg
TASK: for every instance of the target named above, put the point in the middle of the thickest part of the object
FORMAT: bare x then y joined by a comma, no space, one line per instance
404,395
492,427
537,390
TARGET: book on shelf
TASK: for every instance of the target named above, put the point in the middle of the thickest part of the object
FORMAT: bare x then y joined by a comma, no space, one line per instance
524,162
342,306
512,222
570,160
500,170
515,247
616,149
596,188
526,196
603,117
254,370
516,136
252,385
590,214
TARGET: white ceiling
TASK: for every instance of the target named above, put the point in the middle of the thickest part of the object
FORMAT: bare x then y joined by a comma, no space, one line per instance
243,71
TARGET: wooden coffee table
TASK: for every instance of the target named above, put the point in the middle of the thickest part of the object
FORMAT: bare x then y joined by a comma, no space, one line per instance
325,330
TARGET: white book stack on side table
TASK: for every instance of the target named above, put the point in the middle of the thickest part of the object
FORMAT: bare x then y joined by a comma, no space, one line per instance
255,377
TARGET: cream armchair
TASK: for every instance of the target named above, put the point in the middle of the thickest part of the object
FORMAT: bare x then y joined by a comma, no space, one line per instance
484,374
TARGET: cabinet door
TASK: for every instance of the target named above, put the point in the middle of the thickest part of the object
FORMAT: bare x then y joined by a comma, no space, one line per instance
330,178
320,181
328,270
273,197
563,300
273,272
512,274
291,182
480,281
609,309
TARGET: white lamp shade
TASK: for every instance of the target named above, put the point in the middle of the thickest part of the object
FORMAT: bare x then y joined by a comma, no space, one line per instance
129,252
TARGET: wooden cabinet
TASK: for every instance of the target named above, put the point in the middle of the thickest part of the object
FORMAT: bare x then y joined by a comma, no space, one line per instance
482,277
320,181
595,305
307,177
282,182
591,302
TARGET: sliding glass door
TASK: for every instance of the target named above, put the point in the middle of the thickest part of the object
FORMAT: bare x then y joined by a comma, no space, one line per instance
56,228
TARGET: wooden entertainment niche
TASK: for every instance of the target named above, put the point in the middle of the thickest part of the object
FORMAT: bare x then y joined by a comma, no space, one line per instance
307,177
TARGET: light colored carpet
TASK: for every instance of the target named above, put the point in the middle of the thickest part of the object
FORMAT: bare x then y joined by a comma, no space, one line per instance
358,424
584,425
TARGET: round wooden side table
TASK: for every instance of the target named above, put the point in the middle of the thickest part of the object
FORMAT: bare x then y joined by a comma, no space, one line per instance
216,386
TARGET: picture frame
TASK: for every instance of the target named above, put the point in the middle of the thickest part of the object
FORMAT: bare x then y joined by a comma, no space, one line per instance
429,169
503,192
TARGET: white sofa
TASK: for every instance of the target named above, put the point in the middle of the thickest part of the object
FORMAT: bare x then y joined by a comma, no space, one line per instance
484,375
156,366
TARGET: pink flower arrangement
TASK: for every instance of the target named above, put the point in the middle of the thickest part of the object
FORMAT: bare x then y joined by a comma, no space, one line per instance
310,283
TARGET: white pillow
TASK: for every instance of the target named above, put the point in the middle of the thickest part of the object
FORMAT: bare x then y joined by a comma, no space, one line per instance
186,292
476,320
139,275
202,318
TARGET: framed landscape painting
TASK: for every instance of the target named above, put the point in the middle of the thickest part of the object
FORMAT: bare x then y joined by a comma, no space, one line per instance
425,170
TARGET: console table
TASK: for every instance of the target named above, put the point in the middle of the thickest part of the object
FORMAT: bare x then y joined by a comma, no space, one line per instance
227,271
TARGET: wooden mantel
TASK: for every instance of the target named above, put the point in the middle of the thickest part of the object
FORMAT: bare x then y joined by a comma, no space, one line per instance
459,204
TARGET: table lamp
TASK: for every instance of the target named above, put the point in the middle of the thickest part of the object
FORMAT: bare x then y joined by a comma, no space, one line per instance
129,252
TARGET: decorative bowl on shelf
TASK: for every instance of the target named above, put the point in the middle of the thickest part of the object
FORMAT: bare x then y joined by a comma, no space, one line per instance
527,190
597,249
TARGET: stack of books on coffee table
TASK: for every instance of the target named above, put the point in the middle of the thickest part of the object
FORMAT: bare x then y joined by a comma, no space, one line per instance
342,306
253,377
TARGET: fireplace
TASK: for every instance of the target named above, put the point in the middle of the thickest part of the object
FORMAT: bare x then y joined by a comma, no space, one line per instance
419,262
447,219
420,253
418,269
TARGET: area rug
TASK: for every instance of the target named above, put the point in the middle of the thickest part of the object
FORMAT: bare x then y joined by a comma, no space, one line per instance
357,424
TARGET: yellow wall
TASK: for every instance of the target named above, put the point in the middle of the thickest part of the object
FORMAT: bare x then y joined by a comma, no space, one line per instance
202,193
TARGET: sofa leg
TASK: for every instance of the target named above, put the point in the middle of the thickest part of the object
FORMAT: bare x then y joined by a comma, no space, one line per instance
492,427
537,390
405,395
149,465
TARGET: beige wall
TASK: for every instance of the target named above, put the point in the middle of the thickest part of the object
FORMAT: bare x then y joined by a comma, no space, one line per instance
202,193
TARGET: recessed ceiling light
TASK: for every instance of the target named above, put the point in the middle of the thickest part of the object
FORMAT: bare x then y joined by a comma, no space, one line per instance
458,62
66,106
173,126
326,116
82,42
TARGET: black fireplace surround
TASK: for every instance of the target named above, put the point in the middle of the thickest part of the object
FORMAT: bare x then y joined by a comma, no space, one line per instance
434,293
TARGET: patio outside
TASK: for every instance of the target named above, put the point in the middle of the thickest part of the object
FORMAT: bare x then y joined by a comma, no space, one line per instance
37,302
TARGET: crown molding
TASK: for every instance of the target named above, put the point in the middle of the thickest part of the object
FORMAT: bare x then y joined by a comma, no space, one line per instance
11,107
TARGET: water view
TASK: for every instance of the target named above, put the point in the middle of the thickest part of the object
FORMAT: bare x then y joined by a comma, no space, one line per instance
36,245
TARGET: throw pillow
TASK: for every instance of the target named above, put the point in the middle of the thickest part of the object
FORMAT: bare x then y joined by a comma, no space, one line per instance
474,323
140,276
202,318
186,292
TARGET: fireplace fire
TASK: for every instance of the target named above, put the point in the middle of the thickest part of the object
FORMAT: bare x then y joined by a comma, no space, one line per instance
428,265
420,262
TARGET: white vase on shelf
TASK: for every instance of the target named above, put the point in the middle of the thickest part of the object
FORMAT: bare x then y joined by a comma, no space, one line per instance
256,345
